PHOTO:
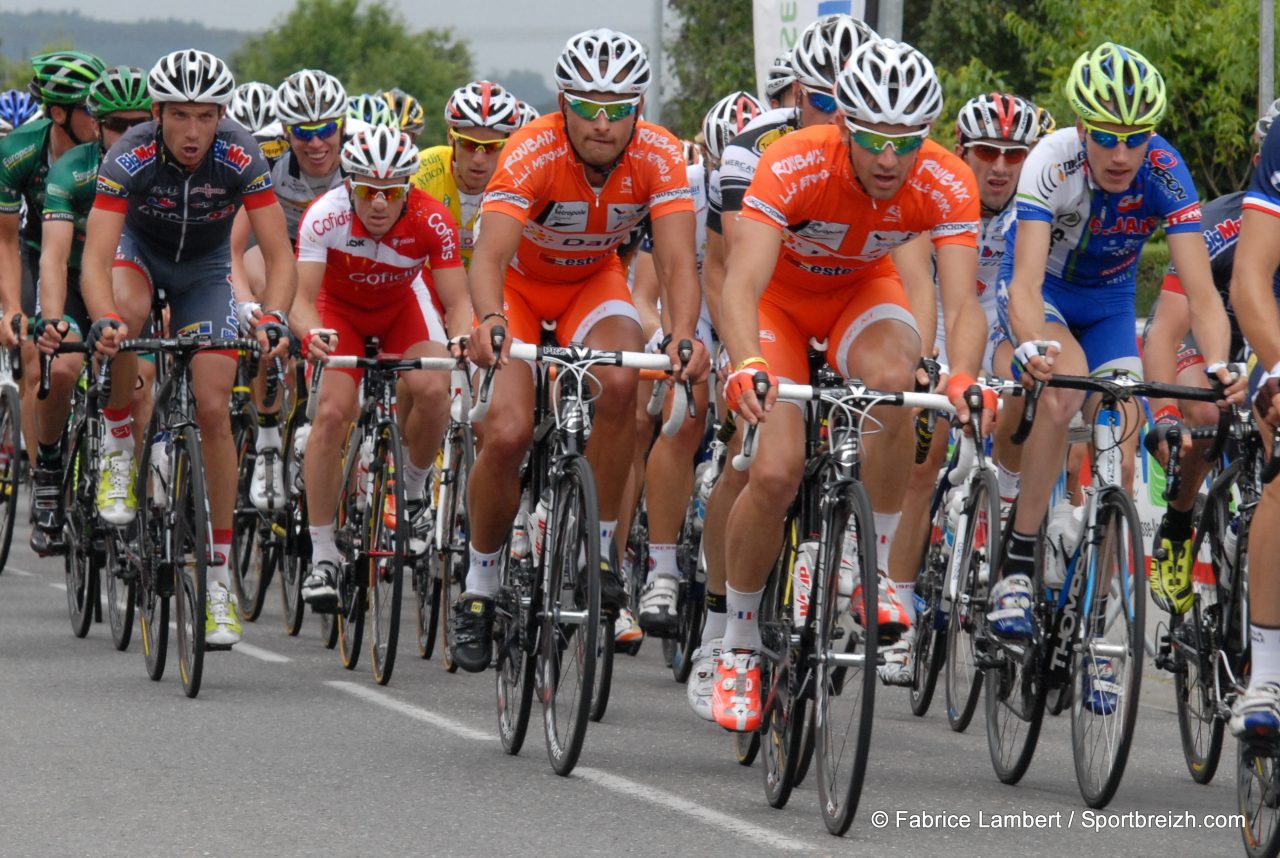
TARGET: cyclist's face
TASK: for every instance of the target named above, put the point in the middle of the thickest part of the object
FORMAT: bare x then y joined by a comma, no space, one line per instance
83,128
998,179
188,129
317,156
472,168
1113,169
377,214
882,173
598,141
810,115
110,137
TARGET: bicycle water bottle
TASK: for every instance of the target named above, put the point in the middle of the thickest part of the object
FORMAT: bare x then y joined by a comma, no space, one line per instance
1066,528
850,574
521,545
539,527
1230,536
161,468
364,480
704,480
299,448
802,581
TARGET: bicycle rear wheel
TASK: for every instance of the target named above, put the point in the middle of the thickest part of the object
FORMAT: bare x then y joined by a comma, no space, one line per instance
976,547
189,501
783,677
388,550
296,550
845,658
1108,671
931,640
606,648
515,632
247,573
1198,725
571,615
349,530
455,556
80,565
10,467
693,602
745,747
1258,795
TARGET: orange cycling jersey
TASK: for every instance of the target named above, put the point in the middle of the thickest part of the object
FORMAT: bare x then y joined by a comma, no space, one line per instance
571,230
834,233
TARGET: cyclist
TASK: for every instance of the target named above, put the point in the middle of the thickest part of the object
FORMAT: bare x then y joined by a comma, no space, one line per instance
778,87
118,100
571,187
371,109
810,260
17,108
1255,291
361,248
822,49
1089,198
480,116
161,220
528,113
410,117
253,106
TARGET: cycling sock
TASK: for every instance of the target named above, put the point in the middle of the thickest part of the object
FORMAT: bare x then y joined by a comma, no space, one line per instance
662,561
742,630
118,434
415,481
1021,556
886,527
49,456
906,591
219,568
1008,482
1264,645
607,530
482,575
268,432
1176,526
717,616
322,545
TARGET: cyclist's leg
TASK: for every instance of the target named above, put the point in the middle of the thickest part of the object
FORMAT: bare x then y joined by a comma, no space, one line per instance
1007,455
417,331
27,384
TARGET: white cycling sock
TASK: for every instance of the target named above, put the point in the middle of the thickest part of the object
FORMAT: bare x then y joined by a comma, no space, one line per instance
886,527
607,530
415,481
268,438
714,626
1008,482
482,575
1264,644
117,435
662,561
742,629
219,573
906,591
322,545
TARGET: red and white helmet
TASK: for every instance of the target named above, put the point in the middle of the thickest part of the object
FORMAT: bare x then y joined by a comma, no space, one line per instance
483,104
603,61
380,152
726,119
528,113
998,116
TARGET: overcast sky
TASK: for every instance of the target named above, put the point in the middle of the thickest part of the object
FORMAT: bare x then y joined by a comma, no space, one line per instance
504,34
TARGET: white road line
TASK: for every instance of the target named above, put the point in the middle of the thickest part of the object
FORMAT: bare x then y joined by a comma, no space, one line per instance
614,783
23,573
416,712
260,653
671,801
58,585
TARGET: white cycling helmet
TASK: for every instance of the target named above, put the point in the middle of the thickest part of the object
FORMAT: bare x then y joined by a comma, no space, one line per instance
825,47
726,119
603,61
310,96
1266,119
380,152
253,106
483,104
890,82
998,116
191,76
781,76
528,113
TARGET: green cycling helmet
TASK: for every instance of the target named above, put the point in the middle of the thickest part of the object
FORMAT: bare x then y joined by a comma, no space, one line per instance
63,77
120,88
1113,83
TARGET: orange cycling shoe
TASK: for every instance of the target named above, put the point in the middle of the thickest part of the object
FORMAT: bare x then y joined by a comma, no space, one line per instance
735,699
892,617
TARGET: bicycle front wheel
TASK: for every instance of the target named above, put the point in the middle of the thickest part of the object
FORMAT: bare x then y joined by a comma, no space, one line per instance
515,633
845,658
571,615
783,675
81,566
1108,672
189,501
692,604
247,572
10,467
388,544
931,640
296,550
977,549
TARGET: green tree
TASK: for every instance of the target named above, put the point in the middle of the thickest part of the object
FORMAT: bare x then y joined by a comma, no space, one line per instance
711,55
368,46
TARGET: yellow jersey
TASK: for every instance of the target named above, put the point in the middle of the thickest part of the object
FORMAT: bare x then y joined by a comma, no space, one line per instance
435,176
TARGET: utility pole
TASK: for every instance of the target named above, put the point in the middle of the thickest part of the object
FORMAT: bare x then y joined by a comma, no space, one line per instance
657,56
889,20
1266,54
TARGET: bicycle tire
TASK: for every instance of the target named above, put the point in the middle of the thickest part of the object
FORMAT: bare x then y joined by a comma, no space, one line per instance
1098,775
10,467
636,571
1199,729
576,515
515,630
931,642
155,585
296,550
807,743
963,677
426,599
606,648
746,746
247,566
79,565
840,787
454,570
189,501
348,528
1258,797
692,604
387,551
782,679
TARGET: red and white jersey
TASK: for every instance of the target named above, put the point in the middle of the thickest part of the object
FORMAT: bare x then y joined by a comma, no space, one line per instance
368,271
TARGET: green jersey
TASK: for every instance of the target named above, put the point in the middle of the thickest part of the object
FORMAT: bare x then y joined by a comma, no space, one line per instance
69,190
24,164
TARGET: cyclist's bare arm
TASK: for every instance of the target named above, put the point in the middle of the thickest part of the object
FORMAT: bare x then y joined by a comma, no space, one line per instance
56,239
102,234
677,262
914,261
303,316
751,262
273,237
10,272
240,231
644,293
714,264
494,251
451,285
1026,290
1169,326
1257,258
966,324
1208,316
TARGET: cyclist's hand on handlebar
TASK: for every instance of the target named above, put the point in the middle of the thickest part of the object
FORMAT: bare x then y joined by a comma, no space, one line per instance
699,365
1234,381
106,335
458,346
1034,360
1157,443
50,333
1267,399
957,387
10,338
740,392
480,343
321,342
273,336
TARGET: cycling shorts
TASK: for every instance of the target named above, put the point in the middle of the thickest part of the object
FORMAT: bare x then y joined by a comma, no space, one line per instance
407,318
575,308
198,290
788,323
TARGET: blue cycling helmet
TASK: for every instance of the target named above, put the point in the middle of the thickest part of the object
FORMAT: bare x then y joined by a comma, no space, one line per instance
17,106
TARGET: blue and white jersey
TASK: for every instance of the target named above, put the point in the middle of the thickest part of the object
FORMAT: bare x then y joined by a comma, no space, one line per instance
1264,191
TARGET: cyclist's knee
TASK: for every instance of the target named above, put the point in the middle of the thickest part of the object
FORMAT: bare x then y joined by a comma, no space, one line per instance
774,482
65,370
892,369
617,395
1060,405
506,440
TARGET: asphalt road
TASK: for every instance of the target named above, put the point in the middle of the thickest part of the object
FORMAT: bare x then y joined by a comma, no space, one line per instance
286,753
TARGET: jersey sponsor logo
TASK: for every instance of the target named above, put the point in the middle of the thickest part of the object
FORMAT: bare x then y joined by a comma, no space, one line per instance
448,235
623,216
764,208
1070,219
825,233
562,241
231,154
804,181
880,242
685,193
959,227
1129,203
1221,234
784,167
331,221
81,177
206,190
1170,182
767,336
946,179
259,184
1162,158
1124,226
197,329
941,201
519,153
767,139
506,197
1274,181
1186,214
137,158
567,216
384,278
893,214
821,270
626,185
162,202
658,140
108,187
18,157
571,261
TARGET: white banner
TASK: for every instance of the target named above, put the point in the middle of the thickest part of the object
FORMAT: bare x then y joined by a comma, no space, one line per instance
778,23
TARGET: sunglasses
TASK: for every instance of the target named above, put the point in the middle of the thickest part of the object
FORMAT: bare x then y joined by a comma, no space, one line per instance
614,111
991,154
820,101
874,141
392,193
121,124
471,144
1111,139
322,130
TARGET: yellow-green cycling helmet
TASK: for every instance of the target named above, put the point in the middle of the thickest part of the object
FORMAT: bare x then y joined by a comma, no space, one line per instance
1113,83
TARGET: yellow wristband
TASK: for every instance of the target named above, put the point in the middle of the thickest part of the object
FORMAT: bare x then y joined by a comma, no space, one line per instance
752,361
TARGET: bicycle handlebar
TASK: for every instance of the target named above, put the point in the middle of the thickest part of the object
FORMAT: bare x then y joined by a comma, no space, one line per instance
46,365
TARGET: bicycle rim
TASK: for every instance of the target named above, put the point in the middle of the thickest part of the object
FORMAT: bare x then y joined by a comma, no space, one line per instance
571,615
456,558
1101,721
10,469
931,641
516,639
783,707
1258,795
745,748
387,551
1198,727
190,556
693,605
296,550
153,606
348,531
845,689
974,566
606,648
246,552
